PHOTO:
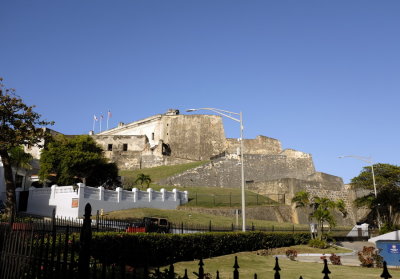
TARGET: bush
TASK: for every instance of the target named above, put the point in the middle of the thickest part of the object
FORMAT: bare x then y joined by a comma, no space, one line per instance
159,249
291,254
318,243
335,259
369,257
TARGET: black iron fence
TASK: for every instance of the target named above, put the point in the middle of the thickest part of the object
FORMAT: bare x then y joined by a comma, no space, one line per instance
60,248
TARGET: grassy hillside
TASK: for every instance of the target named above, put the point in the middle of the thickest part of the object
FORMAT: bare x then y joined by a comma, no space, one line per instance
196,219
158,173
198,196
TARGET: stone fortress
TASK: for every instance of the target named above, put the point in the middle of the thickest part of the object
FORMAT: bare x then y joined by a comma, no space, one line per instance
173,138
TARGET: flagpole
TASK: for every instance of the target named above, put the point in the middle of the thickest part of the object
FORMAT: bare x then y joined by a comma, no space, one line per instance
94,121
108,117
101,120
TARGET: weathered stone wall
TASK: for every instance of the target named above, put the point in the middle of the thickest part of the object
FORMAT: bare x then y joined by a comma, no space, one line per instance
129,159
149,127
319,184
259,145
225,172
193,137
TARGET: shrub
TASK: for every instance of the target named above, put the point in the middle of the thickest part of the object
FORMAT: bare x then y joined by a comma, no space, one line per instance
318,243
291,254
369,257
159,249
335,259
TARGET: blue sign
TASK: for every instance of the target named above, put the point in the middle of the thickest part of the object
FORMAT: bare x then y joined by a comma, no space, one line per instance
393,248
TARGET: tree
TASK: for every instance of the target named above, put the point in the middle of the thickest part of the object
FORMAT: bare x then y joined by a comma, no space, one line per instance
143,179
385,175
19,125
66,160
19,159
386,204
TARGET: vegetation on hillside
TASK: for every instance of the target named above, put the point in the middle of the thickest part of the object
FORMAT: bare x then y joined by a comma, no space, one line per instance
157,173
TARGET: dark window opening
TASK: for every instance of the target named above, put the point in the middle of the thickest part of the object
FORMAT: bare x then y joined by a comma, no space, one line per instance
152,136
125,147
109,147
166,149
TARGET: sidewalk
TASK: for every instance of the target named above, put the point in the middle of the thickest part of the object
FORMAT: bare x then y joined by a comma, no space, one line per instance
350,259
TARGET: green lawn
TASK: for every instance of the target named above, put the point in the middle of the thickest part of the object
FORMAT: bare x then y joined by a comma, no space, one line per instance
251,263
197,219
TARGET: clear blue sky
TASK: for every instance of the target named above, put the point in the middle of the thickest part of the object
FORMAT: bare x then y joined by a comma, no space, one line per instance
323,77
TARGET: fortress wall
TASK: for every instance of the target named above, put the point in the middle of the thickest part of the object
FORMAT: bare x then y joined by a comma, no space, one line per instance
130,159
149,127
135,143
328,188
194,137
226,172
259,145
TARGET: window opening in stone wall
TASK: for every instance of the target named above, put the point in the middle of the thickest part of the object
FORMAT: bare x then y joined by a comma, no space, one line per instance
152,136
109,147
166,149
125,147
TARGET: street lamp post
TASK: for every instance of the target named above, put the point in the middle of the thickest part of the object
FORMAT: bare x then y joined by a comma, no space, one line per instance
240,120
369,161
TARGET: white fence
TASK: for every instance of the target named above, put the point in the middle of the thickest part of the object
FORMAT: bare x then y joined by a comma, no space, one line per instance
70,201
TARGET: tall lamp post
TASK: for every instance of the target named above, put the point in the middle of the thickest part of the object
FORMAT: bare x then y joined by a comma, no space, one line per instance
228,114
369,161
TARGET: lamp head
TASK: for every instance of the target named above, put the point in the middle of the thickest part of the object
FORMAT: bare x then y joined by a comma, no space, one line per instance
190,110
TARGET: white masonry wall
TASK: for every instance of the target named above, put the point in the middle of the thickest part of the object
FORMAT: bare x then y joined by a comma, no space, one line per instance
70,201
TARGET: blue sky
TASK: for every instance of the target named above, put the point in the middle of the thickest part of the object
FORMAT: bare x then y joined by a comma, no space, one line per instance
320,76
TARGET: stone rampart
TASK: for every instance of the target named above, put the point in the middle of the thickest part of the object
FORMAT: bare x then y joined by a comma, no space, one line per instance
326,185
225,172
259,145
193,137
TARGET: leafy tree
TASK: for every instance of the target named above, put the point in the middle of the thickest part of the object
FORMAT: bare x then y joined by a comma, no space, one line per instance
387,201
143,179
67,160
19,125
19,159
385,175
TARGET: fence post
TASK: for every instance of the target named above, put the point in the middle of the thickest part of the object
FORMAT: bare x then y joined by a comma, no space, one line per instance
326,270
236,271
230,199
201,270
277,269
85,239
209,226
119,194
135,194
385,274
182,227
162,194
196,198
150,191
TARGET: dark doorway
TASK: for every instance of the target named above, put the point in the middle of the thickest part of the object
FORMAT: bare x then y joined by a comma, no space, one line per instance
23,200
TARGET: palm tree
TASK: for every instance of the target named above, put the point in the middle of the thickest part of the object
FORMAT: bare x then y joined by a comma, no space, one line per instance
143,179
19,160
